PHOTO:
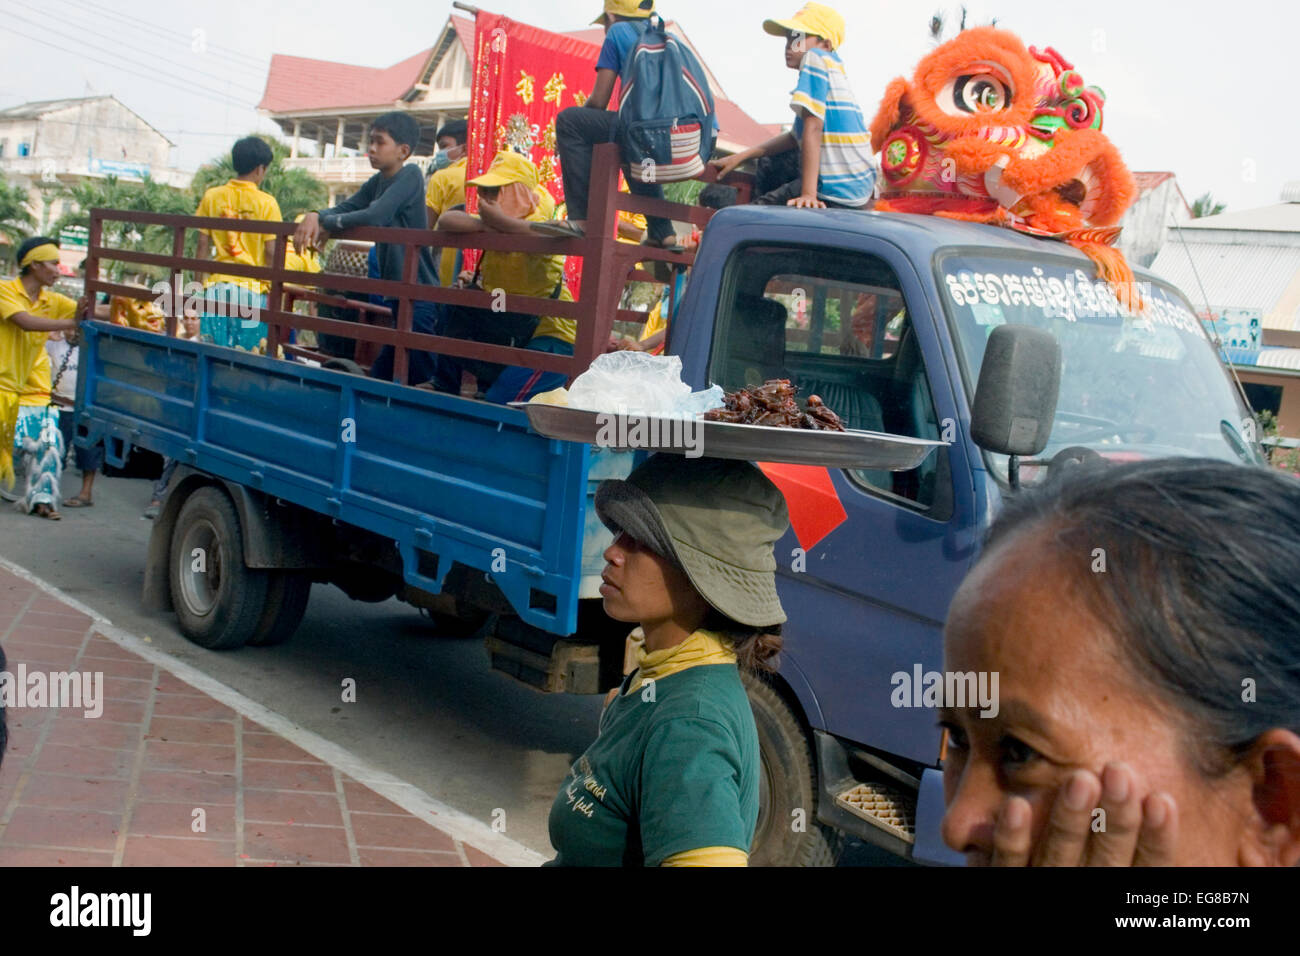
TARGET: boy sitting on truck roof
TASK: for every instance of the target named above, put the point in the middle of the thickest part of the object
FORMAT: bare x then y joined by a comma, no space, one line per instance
447,189
392,198
230,301
510,197
829,129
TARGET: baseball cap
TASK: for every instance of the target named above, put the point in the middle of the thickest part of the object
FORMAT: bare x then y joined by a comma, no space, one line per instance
508,167
815,19
626,8
716,519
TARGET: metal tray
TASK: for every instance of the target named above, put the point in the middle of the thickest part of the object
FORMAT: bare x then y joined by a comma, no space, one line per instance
875,451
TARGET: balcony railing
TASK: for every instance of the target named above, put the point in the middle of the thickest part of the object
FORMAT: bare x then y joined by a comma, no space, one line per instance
345,170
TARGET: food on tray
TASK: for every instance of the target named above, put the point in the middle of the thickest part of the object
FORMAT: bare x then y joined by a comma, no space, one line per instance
773,404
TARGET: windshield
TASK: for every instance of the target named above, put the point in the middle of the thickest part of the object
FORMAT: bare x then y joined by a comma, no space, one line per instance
1132,386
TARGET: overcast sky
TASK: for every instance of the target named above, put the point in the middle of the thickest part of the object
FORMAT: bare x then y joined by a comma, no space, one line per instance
1198,87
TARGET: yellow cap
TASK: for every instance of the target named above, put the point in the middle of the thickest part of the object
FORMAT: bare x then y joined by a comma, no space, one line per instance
815,19
626,8
508,167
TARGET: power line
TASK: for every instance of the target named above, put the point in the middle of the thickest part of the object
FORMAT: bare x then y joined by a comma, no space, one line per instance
185,66
162,31
194,89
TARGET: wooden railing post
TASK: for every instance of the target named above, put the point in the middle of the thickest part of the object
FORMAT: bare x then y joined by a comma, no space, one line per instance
405,316
275,296
176,280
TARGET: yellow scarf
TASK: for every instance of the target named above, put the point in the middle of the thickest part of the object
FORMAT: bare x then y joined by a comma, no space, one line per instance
702,647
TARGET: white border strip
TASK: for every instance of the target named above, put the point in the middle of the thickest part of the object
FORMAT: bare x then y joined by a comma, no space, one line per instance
406,795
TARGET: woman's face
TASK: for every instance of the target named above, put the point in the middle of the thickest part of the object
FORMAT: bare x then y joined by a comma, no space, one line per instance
1065,703
641,587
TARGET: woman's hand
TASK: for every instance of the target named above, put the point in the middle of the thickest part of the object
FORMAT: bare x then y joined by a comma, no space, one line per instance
1093,822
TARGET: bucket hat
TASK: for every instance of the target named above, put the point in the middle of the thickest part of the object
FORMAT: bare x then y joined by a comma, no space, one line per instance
716,519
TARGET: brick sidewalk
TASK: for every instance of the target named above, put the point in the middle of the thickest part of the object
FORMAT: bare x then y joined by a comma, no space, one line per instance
122,789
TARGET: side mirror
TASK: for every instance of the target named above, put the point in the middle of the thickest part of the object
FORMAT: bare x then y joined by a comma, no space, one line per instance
1015,400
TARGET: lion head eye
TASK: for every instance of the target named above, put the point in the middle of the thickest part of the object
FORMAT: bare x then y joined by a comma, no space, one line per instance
977,94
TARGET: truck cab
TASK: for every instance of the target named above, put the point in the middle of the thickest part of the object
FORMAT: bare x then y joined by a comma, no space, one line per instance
294,476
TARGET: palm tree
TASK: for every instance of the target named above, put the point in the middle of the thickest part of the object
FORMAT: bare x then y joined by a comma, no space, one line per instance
147,196
16,221
296,190
1206,206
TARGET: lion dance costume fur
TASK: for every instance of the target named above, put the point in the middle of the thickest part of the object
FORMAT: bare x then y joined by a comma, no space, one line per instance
988,131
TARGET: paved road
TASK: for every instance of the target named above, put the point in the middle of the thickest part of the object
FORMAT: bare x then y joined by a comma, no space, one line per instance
428,709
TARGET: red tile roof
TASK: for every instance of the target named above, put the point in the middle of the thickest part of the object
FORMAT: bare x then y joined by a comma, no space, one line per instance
299,83
1149,181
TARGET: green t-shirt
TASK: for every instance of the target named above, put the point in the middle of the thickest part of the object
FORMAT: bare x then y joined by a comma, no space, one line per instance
675,767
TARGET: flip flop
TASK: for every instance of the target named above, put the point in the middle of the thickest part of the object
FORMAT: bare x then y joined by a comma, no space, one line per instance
78,502
558,228
673,246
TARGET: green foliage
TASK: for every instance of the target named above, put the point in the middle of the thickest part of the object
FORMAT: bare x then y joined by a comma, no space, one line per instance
113,193
687,193
1205,205
296,190
16,222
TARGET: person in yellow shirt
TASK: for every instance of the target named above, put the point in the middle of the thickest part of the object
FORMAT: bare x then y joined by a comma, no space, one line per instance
37,439
29,311
510,197
446,189
233,304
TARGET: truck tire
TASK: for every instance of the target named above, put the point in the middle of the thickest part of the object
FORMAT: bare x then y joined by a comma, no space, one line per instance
219,601
286,602
784,837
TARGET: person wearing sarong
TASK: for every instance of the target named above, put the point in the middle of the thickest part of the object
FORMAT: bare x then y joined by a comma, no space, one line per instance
38,443
29,311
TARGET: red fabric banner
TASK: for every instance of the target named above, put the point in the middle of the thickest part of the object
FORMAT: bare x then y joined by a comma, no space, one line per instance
523,77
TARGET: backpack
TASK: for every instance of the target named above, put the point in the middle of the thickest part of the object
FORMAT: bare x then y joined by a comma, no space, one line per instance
667,120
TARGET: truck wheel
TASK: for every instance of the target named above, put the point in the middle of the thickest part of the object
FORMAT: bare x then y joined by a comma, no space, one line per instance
787,833
286,602
219,601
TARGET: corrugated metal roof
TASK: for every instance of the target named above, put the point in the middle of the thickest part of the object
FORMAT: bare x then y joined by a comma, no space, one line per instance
1279,358
1240,277
1283,217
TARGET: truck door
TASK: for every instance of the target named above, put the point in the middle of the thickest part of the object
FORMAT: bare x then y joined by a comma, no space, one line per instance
850,323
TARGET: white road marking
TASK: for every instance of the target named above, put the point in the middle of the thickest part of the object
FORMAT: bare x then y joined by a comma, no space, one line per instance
406,795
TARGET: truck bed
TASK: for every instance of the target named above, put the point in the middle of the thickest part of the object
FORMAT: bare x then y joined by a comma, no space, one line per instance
450,480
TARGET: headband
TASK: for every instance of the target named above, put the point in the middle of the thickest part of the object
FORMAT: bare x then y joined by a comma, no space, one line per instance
45,252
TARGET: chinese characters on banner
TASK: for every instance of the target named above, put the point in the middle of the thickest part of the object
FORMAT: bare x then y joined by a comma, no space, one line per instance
523,77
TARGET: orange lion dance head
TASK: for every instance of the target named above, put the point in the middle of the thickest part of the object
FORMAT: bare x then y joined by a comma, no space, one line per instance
989,131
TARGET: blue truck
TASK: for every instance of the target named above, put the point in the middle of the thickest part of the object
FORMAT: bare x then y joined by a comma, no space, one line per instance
291,476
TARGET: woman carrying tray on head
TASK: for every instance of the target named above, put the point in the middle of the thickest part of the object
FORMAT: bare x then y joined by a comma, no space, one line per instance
672,779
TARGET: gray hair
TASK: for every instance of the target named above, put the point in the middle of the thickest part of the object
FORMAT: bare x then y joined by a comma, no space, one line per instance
1201,589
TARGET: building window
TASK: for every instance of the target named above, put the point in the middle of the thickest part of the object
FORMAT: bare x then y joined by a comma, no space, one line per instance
3,144
24,149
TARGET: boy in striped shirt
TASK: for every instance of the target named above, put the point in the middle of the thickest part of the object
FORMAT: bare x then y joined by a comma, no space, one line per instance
829,130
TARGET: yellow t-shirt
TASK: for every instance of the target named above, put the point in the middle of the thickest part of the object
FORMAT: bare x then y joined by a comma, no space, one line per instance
447,189
20,349
36,393
239,199
297,261
525,273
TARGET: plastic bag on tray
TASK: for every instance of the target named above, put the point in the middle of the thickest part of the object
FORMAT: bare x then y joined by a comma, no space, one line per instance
639,383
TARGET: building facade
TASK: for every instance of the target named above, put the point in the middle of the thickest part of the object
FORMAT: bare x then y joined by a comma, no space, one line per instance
1242,270
61,142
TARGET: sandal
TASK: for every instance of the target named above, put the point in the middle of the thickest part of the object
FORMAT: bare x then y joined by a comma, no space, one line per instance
78,502
558,229
45,511
669,244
